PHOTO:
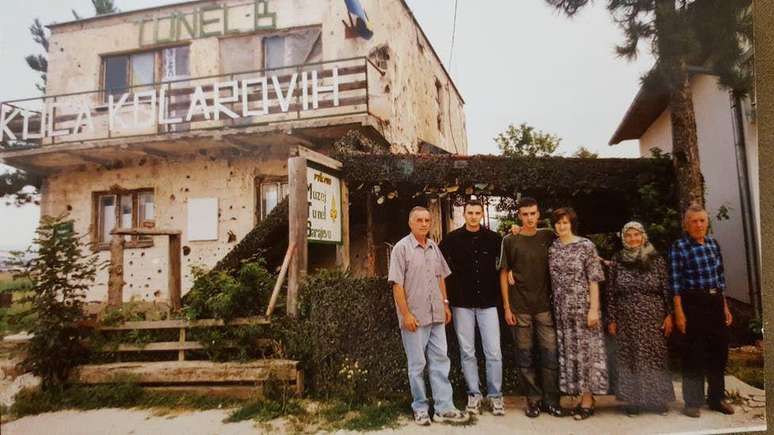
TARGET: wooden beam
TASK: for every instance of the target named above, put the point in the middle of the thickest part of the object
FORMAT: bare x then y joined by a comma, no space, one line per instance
116,271
175,270
187,372
342,250
370,243
146,232
155,152
280,279
177,324
298,216
316,157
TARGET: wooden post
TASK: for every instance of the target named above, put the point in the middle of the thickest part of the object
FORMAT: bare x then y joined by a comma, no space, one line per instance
280,279
174,280
370,243
298,216
116,271
181,353
342,250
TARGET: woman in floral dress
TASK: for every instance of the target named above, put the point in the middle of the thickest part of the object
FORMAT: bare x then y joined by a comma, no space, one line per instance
639,310
575,273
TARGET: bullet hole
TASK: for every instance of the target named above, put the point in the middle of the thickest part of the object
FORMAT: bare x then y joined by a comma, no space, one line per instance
186,189
131,275
131,263
69,207
149,278
159,271
61,49
172,197
147,285
231,237
231,207
233,218
131,285
188,177
231,174
171,218
143,161
387,89
157,293
186,250
142,254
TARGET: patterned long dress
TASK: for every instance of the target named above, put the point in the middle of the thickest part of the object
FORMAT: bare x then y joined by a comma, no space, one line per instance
638,301
582,358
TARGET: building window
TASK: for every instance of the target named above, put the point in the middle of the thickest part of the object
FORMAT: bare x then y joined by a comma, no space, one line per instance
125,210
294,48
271,194
138,70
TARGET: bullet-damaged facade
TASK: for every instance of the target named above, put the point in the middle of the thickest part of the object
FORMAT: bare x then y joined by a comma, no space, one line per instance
182,117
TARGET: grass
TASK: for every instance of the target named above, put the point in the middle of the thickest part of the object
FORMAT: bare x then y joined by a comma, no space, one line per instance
747,367
331,415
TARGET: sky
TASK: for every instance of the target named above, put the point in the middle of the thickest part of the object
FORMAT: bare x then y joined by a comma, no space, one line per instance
513,62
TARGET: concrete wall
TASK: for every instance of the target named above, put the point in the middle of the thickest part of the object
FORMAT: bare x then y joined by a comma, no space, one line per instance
714,123
174,183
411,100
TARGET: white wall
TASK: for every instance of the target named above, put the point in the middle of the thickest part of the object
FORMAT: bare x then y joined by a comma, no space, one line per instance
714,125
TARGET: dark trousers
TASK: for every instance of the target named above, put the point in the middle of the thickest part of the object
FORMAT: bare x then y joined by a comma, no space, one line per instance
706,348
531,330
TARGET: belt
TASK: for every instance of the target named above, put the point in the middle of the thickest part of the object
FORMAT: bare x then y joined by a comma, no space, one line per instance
710,291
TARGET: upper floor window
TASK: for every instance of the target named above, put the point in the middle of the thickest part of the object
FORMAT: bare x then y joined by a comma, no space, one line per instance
120,72
293,48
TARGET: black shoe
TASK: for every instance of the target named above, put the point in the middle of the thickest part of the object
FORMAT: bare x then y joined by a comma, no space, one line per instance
722,407
632,411
533,409
555,410
582,413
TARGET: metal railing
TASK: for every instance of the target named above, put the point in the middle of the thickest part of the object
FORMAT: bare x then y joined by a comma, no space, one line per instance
250,98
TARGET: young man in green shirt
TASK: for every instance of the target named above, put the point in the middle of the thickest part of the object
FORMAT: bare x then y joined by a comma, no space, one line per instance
527,309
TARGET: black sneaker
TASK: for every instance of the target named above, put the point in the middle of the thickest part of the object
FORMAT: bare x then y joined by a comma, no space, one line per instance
555,410
533,409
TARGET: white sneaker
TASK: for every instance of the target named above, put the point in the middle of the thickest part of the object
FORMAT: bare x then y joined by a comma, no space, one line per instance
422,418
498,406
451,416
474,404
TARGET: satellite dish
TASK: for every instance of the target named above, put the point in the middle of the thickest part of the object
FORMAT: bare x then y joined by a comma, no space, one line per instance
358,21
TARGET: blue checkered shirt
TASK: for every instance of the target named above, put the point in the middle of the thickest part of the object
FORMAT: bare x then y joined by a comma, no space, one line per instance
696,266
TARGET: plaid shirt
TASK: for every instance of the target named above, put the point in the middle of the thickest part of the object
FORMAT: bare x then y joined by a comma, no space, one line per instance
696,266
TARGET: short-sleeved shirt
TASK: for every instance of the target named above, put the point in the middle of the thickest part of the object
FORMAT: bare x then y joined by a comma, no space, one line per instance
527,258
418,269
694,265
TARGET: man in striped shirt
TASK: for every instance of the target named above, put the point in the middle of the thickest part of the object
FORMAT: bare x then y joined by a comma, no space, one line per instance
701,313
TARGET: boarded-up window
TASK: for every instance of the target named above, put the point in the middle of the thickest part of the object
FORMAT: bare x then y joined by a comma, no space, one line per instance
176,63
240,54
144,69
271,194
294,48
202,219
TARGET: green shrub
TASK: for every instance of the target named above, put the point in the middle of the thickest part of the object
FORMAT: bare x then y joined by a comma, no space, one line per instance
219,295
60,274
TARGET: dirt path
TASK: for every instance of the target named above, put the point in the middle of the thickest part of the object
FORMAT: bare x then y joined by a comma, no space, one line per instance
607,420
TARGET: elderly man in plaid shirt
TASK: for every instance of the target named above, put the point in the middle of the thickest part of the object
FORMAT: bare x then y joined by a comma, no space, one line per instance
701,313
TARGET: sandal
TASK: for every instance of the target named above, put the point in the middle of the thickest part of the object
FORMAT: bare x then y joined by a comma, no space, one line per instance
582,413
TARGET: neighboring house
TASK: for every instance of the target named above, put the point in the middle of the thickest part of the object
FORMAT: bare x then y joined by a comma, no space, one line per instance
728,163
183,117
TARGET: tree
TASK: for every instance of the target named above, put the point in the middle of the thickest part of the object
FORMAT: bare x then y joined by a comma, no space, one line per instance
585,153
60,273
12,183
683,34
525,141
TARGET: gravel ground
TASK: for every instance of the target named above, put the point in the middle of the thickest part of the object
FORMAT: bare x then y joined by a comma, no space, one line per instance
607,420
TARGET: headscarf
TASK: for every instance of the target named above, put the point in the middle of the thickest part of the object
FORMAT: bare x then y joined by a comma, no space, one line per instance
640,256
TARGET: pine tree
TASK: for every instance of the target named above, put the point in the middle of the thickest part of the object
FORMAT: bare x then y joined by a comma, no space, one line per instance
682,34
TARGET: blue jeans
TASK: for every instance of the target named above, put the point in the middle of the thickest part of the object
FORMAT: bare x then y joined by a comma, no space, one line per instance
427,347
465,320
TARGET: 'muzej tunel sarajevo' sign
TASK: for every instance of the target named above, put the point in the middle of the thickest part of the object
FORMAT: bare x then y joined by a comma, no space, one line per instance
324,196
145,109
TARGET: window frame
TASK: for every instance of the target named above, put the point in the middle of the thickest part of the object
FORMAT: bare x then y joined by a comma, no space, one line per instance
278,181
158,68
97,218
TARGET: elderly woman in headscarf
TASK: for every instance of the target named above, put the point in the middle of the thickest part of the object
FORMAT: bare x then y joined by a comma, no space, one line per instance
640,317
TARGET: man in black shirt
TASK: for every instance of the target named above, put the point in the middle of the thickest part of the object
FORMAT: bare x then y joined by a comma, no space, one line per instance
473,287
